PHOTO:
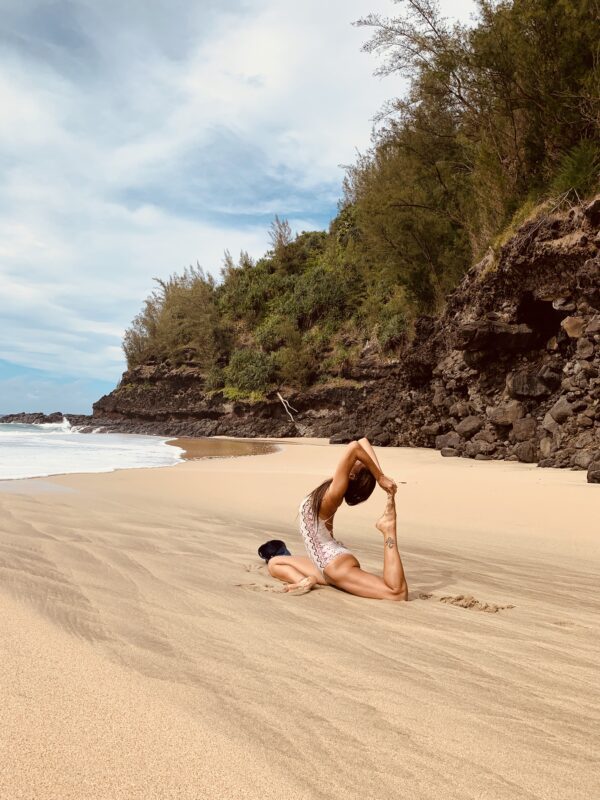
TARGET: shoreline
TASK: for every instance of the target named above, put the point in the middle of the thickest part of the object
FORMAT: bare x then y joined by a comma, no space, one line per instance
168,432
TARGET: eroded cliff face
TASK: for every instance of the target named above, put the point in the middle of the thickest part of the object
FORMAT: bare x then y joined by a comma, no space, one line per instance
510,371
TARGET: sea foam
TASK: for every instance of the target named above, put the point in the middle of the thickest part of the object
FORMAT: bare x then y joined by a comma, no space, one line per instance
29,451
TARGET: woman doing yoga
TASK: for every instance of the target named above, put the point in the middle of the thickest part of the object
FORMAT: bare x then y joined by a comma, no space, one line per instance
328,561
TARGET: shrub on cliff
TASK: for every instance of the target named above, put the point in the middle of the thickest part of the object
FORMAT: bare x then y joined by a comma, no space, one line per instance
178,323
318,294
579,169
249,370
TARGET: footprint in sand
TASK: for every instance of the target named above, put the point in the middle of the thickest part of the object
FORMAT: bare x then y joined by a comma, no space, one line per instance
255,567
303,587
261,587
467,601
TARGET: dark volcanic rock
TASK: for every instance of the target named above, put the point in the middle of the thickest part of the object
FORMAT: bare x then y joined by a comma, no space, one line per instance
469,426
33,418
524,429
507,413
447,440
526,383
593,474
526,452
582,459
487,335
340,438
573,326
449,452
561,410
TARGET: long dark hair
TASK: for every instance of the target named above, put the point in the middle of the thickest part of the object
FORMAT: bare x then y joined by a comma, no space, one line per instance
360,488
317,495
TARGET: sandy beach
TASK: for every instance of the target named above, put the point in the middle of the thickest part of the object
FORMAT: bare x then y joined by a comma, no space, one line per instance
143,656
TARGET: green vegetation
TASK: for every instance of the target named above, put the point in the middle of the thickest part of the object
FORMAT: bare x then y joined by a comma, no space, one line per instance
500,118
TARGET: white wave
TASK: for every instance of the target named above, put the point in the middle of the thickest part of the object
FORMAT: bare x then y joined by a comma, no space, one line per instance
58,427
28,451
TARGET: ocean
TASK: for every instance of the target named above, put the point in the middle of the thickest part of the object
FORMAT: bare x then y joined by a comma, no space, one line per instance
31,451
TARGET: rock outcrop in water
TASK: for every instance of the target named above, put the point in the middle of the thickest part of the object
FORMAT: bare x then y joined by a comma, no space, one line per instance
511,370
34,418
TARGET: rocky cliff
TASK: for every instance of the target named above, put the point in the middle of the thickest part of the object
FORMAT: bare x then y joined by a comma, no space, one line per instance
509,371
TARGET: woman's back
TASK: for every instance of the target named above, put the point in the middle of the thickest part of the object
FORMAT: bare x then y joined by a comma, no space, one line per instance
318,539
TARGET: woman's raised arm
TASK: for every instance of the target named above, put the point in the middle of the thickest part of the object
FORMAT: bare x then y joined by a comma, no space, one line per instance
366,445
341,477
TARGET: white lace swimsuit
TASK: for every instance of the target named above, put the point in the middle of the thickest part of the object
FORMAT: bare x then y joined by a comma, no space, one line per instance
320,544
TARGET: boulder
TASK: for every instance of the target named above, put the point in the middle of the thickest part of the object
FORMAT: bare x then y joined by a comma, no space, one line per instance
561,410
593,475
459,409
380,438
585,348
451,440
585,439
524,429
525,383
341,438
486,335
573,326
593,326
582,459
449,452
505,414
526,452
485,436
474,449
469,426
431,430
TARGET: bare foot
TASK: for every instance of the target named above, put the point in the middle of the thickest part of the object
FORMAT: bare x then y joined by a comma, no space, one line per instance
302,587
387,521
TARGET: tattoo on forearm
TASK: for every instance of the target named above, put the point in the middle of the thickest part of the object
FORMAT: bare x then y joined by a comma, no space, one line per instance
389,541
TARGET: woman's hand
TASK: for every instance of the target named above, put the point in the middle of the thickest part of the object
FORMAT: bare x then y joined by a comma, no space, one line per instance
387,484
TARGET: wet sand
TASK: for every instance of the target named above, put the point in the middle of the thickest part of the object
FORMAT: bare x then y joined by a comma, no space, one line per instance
217,447
143,654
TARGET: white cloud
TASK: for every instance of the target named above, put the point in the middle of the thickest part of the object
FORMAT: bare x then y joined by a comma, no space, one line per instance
138,140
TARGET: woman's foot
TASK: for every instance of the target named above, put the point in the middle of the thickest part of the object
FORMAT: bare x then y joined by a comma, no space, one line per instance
387,521
302,587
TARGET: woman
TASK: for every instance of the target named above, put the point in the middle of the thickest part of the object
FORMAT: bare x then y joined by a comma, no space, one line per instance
329,562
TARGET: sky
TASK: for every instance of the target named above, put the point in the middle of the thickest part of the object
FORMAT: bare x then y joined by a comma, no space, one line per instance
139,138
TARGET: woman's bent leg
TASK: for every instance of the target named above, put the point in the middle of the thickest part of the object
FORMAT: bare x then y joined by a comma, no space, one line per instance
292,569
